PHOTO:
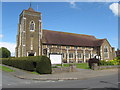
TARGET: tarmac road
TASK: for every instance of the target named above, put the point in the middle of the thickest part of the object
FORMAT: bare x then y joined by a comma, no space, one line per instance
109,81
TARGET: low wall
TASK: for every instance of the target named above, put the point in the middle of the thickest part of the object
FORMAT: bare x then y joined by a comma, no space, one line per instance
64,69
105,67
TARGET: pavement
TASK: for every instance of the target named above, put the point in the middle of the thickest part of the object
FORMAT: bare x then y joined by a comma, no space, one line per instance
78,75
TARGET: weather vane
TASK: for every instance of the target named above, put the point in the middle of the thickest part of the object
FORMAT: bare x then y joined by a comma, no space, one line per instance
30,4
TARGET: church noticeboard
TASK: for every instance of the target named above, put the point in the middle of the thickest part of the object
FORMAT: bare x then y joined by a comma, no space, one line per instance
56,58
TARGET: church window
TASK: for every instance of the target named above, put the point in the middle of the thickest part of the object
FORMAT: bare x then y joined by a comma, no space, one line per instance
71,55
32,26
58,46
79,55
87,55
63,55
76,47
49,46
68,47
106,51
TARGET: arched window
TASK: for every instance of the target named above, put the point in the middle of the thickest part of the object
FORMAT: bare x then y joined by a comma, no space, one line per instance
106,51
32,26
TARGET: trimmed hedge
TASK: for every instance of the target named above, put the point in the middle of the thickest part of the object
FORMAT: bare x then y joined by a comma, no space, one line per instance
44,65
21,63
41,64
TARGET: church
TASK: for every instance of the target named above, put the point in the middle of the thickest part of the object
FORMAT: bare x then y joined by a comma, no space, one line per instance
33,40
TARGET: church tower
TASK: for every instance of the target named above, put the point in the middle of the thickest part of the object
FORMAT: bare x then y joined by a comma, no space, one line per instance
29,37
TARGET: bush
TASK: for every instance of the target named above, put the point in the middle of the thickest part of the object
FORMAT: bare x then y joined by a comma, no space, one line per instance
4,52
41,64
116,61
21,63
44,65
92,61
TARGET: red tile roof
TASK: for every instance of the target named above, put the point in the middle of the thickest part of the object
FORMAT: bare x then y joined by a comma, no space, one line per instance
71,39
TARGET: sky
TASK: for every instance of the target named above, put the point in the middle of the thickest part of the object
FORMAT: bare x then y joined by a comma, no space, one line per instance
99,19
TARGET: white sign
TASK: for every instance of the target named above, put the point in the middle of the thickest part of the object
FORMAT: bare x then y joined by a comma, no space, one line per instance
56,58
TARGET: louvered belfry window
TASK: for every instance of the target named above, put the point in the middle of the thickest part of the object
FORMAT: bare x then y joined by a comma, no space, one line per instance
32,26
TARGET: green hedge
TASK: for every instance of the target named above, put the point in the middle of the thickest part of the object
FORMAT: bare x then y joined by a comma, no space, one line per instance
41,64
44,65
22,63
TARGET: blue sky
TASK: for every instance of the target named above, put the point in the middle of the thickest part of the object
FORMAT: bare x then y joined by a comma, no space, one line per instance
92,18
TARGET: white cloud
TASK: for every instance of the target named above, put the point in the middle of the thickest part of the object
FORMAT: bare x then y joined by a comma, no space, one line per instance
115,7
10,46
73,3
1,36
90,0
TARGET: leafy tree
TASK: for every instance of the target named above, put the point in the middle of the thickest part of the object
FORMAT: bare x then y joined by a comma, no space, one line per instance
4,52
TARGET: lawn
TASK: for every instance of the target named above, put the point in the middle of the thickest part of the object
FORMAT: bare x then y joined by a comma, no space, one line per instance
82,65
78,65
35,73
6,69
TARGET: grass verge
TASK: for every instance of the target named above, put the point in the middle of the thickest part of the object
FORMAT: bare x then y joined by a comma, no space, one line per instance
35,73
6,69
78,65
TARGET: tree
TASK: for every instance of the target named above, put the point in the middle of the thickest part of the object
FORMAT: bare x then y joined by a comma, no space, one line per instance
4,52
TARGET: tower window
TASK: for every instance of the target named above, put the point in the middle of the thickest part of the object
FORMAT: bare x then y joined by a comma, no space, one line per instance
32,26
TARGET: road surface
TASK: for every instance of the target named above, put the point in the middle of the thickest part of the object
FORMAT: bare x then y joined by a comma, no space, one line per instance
110,81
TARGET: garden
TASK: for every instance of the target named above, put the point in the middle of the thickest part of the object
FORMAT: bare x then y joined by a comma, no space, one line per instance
42,64
106,63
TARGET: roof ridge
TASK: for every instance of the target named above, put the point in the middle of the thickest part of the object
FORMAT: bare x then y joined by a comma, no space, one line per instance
70,33
101,39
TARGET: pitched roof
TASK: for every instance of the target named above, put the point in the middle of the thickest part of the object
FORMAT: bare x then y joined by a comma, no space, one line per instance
71,39
31,9
98,42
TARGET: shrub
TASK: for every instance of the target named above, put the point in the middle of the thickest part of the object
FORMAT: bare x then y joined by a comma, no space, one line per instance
21,63
115,61
41,64
44,65
4,52
92,61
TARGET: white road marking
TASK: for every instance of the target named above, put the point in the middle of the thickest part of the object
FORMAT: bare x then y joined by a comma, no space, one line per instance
9,84
60,80
50,81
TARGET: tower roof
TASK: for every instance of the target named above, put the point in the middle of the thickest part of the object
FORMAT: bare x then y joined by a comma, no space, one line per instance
31,9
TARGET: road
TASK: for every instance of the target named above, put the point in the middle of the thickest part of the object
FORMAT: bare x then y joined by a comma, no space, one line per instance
9,81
